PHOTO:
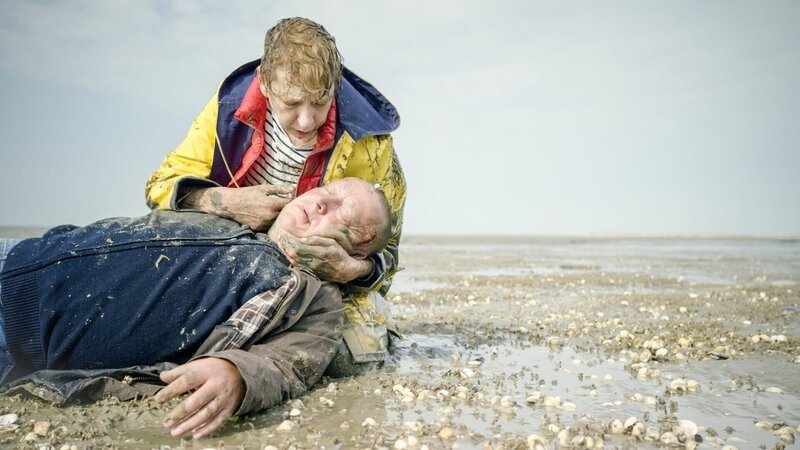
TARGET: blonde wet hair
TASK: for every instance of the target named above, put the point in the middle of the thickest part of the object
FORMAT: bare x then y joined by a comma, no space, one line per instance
306,51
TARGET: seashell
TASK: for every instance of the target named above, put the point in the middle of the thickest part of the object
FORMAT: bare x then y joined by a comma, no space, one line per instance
412,441
692,386
294,412
446,433
535,397
535,439
686,427
413,426
553,401
615,426
677,385
764,425
8,419
637,430
568,406
467,373
785,434
650,400
651,433
564,437
553,428
286,425
401,444
507,401
630,422
577,441
684,342
668,438
637,397
41,428
773,390
369,422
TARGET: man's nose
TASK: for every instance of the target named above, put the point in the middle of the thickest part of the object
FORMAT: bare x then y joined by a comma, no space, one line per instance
305,119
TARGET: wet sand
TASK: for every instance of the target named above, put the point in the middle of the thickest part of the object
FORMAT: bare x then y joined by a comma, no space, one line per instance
514,343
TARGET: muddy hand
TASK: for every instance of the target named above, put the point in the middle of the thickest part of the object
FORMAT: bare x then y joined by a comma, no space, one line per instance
325,258
254,206
219,390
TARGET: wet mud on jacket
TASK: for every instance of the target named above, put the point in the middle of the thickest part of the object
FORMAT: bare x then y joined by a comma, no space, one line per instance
283,358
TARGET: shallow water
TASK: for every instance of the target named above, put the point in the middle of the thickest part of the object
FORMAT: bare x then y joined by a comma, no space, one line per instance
553,315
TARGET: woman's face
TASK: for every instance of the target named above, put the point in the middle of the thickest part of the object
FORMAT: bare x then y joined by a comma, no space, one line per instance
300,113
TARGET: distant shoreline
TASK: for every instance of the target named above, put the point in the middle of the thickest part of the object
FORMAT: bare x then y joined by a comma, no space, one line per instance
22,231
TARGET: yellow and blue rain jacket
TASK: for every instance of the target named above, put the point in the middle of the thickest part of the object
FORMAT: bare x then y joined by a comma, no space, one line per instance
228,136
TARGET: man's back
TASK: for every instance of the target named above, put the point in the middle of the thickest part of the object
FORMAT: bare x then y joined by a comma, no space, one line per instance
123,292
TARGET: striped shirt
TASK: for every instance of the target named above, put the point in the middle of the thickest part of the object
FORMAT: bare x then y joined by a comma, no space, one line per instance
280,163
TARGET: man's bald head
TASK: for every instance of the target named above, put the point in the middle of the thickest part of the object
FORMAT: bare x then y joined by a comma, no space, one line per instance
352,211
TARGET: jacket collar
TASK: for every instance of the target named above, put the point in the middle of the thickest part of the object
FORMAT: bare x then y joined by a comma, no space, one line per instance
362,110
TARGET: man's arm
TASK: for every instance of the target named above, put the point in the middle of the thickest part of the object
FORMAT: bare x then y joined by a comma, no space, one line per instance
181,182
191,160
279,366
254,206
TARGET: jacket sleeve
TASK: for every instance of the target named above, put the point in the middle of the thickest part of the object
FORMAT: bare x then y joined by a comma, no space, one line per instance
189,165
389,174
288,363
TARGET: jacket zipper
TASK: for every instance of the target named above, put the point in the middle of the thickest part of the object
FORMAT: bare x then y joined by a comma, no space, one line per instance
130,379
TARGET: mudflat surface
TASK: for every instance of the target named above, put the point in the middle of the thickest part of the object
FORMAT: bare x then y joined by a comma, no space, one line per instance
514,343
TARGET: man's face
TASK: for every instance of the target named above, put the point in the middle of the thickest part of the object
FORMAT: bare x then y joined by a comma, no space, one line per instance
300,113
347,211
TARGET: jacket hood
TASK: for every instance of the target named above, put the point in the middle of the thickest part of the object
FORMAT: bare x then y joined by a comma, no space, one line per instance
363,111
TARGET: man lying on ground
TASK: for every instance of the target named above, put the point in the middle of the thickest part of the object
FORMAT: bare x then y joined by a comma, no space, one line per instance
202,302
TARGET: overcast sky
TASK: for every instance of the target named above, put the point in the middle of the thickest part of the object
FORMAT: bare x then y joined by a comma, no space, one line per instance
517,117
